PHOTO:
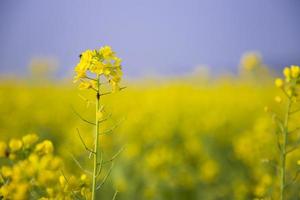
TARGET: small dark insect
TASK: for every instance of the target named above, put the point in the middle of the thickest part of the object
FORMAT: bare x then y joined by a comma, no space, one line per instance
6,153
80,55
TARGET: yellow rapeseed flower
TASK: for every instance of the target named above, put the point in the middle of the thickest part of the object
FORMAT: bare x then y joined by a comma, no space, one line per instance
6,171
278,82
287,74
295,71
15,145
30,139
45,147
102,62
62,180
106,52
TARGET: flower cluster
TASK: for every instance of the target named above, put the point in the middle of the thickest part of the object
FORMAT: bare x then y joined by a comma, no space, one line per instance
102,62
290,82
287,139
31,171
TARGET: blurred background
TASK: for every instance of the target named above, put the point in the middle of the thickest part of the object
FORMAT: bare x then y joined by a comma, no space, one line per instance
199,75
154,37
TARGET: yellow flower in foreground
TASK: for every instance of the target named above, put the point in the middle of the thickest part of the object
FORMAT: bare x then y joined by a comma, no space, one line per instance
278,82
45,147
6,171
15,145
30,139
287,73
62,180
295,71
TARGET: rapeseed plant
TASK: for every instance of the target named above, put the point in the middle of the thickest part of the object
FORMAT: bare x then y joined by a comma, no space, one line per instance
96,66
32,171
286,141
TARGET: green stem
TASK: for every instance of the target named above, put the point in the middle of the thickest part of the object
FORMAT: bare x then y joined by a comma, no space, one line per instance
283,152
96,152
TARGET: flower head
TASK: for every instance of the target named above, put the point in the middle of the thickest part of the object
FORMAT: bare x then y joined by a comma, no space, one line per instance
278,82
96,63
15,145
30,139
45,147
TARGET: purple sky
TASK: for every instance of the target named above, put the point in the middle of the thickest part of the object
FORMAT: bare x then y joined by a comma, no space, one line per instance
157,37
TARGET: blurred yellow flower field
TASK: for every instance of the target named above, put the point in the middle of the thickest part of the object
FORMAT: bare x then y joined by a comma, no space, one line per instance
183,138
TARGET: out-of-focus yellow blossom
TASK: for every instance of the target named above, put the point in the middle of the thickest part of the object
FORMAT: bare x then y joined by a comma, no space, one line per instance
295,71
44,147
6,171
62,180
34,174
30,139
278,82
291,72
15,145
287,74
278,99
209,170
261,189
186,118
250,61
83,177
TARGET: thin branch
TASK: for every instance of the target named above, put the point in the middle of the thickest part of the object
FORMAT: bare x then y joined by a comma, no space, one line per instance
100,164
115,195
103,120
106,93
92,123
79,165
294,179
112,128
278,142
85,146
90,78
90,87
115,156
88,102
292,149
106,176
285,93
